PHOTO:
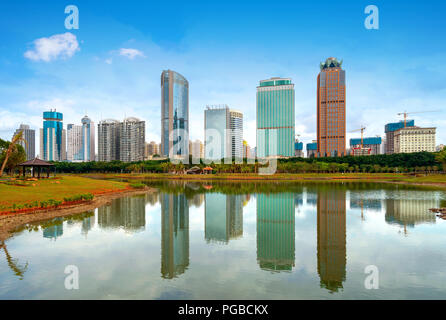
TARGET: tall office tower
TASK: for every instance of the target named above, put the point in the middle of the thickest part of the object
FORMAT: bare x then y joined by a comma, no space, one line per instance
108,140
390,129
331,109
174,114
331,238
74,143
53,137
275,231
30,136
228,125
132,136
88,139
223,217
275,118
174,235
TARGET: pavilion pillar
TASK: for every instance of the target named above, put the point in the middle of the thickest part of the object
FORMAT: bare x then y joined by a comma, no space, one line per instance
48,172
32,168
38,172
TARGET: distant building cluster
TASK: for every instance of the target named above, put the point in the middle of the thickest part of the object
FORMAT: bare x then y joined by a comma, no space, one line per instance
223,138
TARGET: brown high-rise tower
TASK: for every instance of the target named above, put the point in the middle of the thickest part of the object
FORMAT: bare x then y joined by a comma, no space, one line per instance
331,109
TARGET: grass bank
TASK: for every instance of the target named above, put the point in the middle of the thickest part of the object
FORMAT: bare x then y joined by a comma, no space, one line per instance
18,193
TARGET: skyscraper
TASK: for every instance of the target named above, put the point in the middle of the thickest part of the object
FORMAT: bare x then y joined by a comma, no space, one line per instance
108,140
53,137
30,136
236,133
132,140
275,118
174,114
331,109
74,143
80,141
228,124
88,136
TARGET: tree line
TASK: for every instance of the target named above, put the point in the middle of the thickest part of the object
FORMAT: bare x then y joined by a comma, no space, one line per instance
407,162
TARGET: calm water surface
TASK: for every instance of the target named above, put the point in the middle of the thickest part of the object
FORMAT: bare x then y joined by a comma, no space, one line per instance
237,241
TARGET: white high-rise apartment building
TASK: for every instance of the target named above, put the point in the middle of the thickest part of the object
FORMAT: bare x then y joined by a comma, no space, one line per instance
132,140
108,140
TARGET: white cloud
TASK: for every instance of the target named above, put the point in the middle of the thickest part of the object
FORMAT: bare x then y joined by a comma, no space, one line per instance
109,61
131,53
57,46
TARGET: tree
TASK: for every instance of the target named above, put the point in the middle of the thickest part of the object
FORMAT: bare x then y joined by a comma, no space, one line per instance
12,153
441,157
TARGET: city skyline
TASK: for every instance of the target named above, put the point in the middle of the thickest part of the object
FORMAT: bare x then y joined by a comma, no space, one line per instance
119,75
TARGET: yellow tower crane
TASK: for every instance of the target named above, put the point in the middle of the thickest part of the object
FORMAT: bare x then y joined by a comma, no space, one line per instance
405,113
362,135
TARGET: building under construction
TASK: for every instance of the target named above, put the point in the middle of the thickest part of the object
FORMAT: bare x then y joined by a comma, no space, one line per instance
368,146
390,129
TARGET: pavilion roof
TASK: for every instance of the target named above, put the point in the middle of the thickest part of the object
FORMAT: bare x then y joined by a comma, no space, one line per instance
37,163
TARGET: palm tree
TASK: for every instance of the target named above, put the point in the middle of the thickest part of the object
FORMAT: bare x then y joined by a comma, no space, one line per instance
13,263
12,148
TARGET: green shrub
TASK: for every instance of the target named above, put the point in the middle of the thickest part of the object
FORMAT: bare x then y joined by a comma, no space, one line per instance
137,185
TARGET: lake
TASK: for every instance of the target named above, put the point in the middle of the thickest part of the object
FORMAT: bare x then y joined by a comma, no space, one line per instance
263,240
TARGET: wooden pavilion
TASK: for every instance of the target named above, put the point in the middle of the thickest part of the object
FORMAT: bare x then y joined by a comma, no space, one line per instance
37,165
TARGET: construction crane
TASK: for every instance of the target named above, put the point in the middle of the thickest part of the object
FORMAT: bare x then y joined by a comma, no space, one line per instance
362,135
405,113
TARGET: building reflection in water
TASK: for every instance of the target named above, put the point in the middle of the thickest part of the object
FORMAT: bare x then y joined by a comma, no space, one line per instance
275,231
128,213
152,198
331,238
197,200
174,235
53,229
87,224
223,217
408,212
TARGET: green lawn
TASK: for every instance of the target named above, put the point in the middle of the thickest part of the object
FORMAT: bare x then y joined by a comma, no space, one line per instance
56,189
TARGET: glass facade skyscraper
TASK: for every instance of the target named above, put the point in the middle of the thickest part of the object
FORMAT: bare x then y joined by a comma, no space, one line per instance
331,109
52,137
174,114
275,118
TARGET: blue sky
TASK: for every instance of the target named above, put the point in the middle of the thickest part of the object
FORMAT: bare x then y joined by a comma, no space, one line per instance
110,67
